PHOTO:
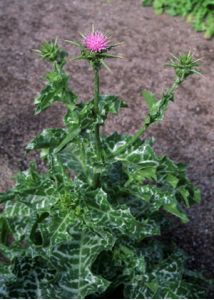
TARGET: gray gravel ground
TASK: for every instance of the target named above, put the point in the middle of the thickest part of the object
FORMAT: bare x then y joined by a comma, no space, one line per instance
186,134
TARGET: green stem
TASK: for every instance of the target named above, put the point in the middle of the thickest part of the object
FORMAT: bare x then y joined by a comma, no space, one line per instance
98,145
146,124
96,109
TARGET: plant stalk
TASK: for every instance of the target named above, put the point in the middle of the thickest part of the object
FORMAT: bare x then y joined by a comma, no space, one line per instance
96,67
96,109
141,130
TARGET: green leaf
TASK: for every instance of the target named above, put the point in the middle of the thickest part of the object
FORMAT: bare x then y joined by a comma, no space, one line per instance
174,210
72,118
72,133
3,289
101,215
137,154
196,195
74,260
22,214
109,104
29,274
172,180
163,280
48,139
146,170
80,156
175,175
158,199
149,98
185,194
55,228
113,142
5,196
32,182
56,89
4,231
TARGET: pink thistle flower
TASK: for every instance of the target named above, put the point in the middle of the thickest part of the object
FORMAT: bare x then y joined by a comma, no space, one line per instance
96,41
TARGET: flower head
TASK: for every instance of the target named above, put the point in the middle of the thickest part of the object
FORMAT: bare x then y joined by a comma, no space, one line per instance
49,50
95,47
96,41
184,65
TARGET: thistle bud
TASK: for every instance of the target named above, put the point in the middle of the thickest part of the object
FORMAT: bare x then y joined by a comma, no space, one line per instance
184,65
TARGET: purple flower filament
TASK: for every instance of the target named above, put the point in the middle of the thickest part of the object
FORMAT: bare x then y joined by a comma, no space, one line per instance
96,41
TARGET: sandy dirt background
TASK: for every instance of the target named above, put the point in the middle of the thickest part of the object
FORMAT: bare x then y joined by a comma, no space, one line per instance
186,134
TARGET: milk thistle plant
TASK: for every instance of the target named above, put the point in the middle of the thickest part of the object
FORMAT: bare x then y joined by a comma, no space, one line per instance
89,226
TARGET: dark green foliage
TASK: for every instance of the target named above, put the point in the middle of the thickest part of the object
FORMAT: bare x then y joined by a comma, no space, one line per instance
199,12
88,225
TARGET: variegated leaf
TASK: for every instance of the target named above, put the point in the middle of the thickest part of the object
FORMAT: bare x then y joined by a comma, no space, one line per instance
73,261
102,215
